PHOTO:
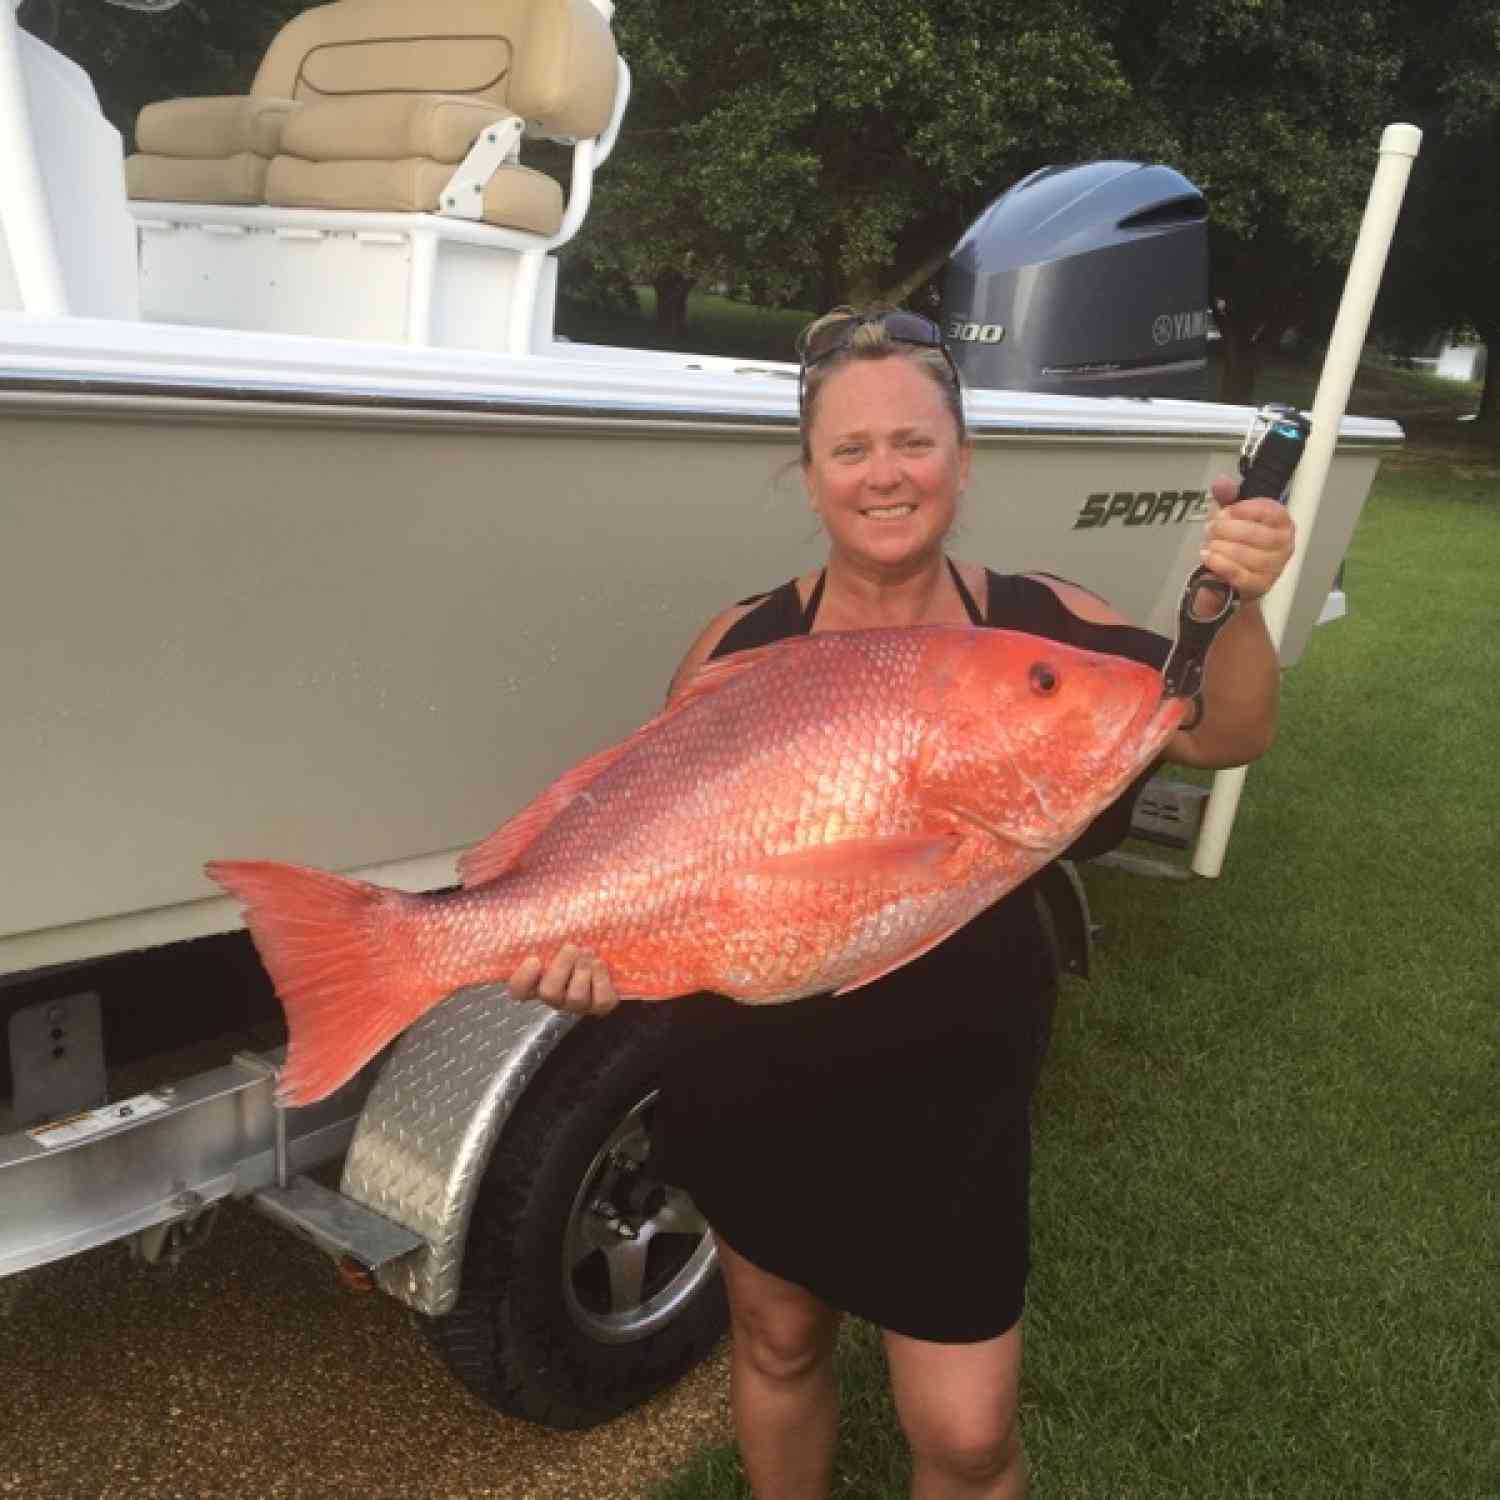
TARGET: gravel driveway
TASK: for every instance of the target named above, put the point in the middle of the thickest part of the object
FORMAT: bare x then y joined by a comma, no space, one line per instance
248,1371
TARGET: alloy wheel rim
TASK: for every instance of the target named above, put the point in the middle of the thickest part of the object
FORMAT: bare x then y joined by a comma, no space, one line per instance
635,1251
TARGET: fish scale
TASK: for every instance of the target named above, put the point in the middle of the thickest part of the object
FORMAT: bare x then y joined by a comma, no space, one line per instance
805,817
760,804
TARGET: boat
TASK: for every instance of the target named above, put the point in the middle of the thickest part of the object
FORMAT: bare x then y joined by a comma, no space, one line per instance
319,544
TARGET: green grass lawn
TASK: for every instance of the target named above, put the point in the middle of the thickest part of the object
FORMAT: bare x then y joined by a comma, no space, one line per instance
716,325
1267,1192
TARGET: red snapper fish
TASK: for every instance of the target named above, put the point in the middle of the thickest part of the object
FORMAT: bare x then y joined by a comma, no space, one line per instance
804,817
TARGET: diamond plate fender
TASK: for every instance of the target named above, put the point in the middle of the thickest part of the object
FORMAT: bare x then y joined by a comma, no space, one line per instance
431,1122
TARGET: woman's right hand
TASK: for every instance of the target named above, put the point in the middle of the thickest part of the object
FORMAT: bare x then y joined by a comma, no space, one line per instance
576,980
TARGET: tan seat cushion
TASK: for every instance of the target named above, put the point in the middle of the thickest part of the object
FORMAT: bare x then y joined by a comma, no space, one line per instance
551,61
389,96
388,127
177,179
516,197
216,126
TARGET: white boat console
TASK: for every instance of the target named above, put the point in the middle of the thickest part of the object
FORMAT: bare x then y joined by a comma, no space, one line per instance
369,186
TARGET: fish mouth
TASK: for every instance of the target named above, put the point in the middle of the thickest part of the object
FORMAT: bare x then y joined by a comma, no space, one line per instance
1144,734
1160,718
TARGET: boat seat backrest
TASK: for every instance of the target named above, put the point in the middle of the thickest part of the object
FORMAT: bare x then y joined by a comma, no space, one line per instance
351,97
550,61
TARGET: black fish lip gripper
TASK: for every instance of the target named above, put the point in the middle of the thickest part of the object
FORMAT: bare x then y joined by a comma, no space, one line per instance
1268,458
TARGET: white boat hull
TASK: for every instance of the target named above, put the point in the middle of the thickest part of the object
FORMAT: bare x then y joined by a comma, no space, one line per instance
351,602
352,606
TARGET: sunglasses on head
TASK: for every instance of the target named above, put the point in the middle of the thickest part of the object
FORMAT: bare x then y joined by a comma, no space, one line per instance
901,327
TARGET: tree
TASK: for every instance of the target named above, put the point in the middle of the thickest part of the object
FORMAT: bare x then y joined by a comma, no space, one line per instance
136,58
1274,110
833,150
1465,249
843,144
1442,271
849,144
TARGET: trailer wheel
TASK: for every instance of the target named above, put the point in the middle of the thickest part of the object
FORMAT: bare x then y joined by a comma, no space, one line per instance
587,1285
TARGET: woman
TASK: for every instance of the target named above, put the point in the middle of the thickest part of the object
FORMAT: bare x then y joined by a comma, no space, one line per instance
870,1154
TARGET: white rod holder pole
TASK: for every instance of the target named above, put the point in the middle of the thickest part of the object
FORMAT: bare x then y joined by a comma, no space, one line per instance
1399,145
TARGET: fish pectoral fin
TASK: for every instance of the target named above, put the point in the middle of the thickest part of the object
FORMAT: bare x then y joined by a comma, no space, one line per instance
892,964
966,817
898,859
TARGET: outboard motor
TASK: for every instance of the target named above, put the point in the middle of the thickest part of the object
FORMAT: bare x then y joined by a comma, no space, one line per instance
1089,280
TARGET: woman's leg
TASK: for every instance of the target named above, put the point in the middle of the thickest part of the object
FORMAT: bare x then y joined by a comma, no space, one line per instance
957,1404
781,1381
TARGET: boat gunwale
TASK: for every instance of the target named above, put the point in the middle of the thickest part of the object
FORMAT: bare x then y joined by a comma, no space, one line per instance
73,394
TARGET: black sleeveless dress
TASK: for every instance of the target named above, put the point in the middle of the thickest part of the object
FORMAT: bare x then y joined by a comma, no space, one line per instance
875,1148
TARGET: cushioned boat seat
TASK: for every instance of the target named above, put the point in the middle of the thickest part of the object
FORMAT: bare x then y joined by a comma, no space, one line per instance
210,150
370,104
222,126
388,127
515,196
171,179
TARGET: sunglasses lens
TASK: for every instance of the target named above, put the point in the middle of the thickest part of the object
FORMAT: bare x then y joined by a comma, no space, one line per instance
830,337
913,328
902,327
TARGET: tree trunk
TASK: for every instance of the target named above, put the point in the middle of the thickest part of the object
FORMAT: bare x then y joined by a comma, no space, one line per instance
672,288
828,276
862,287
1244,351
1241,364
903,289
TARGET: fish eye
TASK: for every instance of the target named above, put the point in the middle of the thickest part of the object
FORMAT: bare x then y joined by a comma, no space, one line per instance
1044,678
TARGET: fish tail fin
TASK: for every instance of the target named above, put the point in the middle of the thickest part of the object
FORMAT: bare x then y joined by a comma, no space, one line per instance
339,952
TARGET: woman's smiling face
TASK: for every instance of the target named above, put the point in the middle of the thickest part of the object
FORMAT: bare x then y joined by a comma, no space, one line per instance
886,463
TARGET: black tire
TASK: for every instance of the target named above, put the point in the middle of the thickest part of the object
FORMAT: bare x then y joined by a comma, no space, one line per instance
544,1327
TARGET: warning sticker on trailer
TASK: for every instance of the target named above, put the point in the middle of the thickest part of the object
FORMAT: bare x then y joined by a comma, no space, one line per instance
96,1121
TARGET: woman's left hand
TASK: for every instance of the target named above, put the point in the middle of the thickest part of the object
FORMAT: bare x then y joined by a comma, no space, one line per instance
1248,542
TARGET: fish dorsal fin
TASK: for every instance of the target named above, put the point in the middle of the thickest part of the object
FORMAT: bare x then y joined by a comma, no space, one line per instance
714,675
501,852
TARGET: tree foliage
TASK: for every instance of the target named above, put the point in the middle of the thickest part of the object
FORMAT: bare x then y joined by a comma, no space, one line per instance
1274,109
836,146
833,150
1442,271
201,47
840,148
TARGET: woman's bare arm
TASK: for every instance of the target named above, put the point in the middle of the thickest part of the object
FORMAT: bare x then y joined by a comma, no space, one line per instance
1247,543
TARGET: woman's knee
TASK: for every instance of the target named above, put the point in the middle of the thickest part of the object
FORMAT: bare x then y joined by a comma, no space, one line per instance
958,1402
783,1343
781,1330
974,1446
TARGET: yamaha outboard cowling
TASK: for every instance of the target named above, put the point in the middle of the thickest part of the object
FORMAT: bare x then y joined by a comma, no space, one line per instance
1089,280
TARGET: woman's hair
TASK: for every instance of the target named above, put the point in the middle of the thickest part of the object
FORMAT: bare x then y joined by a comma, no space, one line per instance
870,339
